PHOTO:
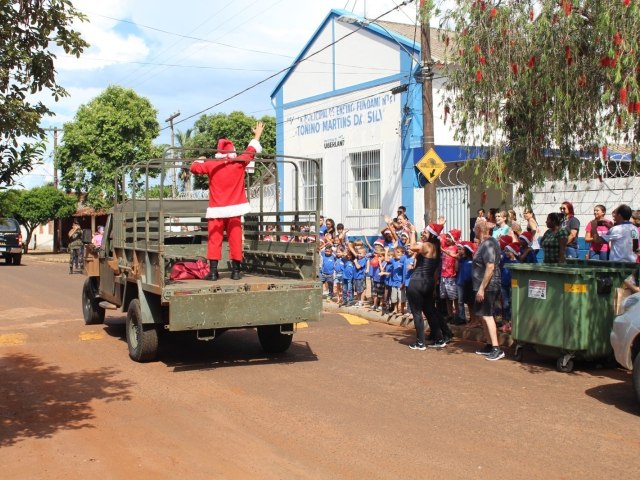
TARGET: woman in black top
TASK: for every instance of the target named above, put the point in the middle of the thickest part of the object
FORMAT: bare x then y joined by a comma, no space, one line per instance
422,288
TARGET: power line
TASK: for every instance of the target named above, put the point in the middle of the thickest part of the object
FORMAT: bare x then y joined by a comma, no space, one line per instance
297,62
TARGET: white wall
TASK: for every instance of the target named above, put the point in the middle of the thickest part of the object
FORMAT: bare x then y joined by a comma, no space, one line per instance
331,129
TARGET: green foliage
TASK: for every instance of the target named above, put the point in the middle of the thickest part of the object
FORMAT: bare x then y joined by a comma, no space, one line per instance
115,129
29,30
37,206
543,85
235,126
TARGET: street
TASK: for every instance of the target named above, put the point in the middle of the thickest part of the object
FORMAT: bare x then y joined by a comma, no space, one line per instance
349,400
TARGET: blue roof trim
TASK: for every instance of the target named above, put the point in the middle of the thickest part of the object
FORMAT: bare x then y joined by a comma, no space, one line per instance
333,14
353,88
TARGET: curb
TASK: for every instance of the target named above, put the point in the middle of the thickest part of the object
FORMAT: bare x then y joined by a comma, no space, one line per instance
459,331
51,257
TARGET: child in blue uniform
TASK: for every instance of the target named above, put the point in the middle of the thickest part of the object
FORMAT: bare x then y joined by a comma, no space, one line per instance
347,279
327,269
339,270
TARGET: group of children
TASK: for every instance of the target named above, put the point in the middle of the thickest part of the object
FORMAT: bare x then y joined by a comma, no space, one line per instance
388,264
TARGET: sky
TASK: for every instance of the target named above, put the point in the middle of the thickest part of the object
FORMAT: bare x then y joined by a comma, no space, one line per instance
187,57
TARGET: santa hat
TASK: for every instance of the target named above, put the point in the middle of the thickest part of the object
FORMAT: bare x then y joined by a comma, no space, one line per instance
434,229
226,149
469,246
527,237
404,234
504,241
455,235
514,248
379,241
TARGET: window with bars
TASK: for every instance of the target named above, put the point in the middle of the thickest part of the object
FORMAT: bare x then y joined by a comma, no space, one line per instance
364,187
311,182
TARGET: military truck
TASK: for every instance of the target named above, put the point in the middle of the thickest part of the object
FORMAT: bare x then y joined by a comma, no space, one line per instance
145,237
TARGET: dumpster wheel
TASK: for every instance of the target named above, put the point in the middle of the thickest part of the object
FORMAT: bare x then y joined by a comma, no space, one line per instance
518,354
565,363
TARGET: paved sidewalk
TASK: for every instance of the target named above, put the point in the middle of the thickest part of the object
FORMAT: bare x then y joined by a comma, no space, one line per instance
459,331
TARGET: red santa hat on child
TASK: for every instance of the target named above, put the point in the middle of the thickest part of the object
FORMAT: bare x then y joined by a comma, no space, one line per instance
226,149
469,246
455,235
514,248
434,229
504,241
527,237
379,241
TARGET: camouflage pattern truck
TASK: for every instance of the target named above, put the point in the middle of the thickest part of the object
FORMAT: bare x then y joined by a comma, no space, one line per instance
144,237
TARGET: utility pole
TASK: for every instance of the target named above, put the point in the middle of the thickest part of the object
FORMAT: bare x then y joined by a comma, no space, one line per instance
430,200
174,184
57,224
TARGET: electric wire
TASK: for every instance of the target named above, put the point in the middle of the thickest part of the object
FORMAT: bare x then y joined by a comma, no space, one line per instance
290,67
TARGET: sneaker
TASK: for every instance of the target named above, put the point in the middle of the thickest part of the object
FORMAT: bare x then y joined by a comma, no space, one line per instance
438,344
417,346
496,354
486,350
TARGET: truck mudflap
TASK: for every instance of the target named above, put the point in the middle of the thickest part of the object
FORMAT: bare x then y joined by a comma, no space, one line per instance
221,308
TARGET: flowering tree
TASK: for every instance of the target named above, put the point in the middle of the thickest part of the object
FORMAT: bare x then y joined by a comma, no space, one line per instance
546,86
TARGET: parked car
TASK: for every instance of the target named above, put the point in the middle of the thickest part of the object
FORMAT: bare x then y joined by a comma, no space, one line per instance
10,241
625,338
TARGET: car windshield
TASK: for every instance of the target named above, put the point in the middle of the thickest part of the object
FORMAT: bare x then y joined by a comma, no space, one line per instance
8,225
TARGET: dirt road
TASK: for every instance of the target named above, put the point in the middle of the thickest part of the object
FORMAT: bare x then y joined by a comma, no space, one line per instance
349,400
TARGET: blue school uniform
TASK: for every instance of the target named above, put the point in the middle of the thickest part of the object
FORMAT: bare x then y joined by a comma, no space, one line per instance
406,276
397,271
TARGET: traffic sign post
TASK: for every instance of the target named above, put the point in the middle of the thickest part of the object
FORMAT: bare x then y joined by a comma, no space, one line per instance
431,166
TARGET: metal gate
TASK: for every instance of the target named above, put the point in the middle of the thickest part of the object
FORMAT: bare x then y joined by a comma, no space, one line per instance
453,204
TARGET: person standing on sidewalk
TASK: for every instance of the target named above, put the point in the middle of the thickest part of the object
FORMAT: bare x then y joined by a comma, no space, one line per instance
75,247
422,288
486,284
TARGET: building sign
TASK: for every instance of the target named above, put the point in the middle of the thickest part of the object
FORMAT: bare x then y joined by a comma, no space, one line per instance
365,111
538,289
334,142
431,165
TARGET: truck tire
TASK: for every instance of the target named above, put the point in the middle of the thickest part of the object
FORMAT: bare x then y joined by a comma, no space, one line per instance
142,339
17,258
8,259
92,312
636,376
272,340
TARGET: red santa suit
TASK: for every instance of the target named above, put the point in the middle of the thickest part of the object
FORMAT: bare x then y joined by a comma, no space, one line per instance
227,196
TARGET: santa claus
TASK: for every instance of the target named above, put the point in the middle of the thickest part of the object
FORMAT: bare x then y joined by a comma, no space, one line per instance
227,199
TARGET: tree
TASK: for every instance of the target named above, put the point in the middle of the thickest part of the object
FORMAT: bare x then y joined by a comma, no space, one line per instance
184,141
38,206
235,126
544,87
29,32
115,129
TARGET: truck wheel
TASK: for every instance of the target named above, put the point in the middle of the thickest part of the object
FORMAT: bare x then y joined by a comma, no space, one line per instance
8,259
17,258
636,376
92,312
142,339
272,340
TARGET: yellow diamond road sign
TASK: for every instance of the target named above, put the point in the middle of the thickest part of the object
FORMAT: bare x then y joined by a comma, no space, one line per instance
431,165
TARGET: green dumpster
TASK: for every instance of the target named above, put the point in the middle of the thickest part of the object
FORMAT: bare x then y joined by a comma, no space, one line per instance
565,311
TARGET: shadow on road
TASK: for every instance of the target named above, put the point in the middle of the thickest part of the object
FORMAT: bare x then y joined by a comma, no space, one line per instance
620,395
233,348
37,400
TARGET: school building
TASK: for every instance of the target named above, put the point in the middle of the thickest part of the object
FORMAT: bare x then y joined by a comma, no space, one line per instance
355,106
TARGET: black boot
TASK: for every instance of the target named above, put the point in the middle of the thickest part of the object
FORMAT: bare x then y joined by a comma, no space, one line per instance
235,270
213,271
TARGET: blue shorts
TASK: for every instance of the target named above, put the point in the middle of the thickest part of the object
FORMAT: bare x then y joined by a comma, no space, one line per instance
358,285
326,277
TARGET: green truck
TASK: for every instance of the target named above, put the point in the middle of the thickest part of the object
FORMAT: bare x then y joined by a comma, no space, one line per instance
145,237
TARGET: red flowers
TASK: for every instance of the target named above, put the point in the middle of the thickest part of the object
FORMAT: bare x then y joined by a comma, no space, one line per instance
483,60
637,106
604,152
623,95
479,76
532,62
626,2
617,38
514,68
567,8
494,12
